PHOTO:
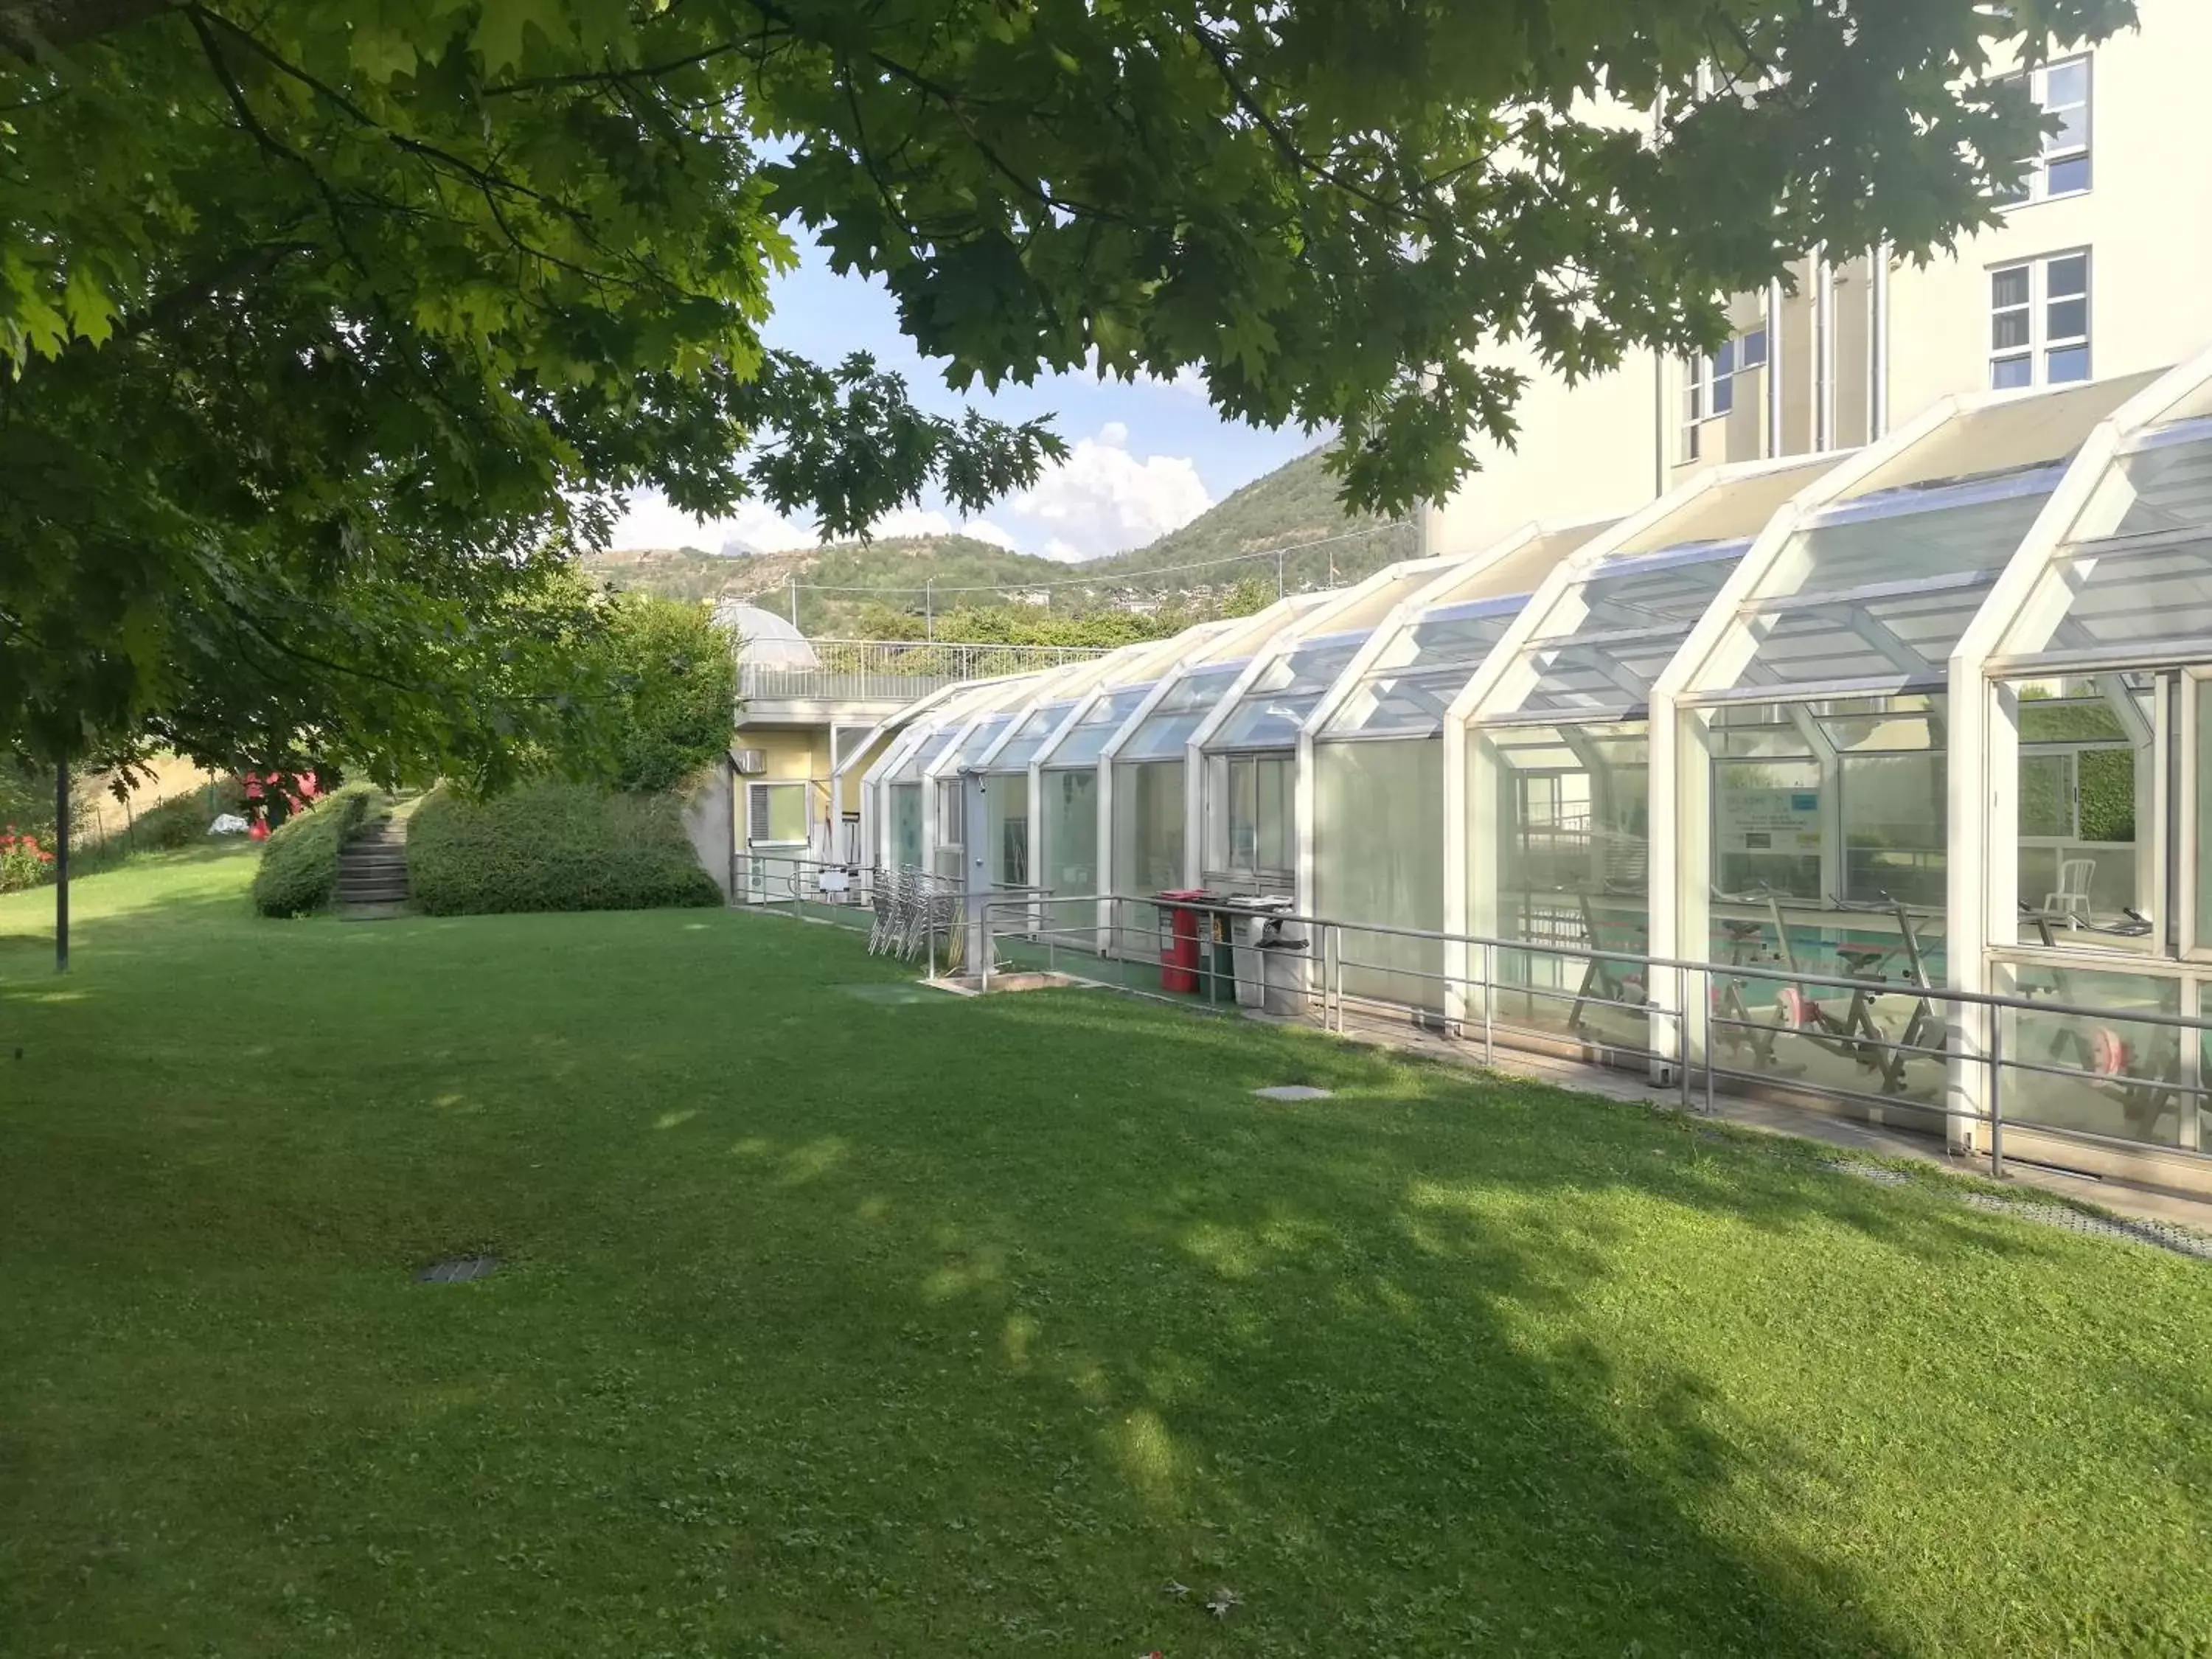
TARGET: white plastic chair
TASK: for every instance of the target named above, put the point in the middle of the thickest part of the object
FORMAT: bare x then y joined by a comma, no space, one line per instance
2071,901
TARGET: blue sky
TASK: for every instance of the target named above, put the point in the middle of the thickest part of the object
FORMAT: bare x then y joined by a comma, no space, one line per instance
1146,457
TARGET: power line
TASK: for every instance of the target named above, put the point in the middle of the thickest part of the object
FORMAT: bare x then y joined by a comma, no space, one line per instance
1108,580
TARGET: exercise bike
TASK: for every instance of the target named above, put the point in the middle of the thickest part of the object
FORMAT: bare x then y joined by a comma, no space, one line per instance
1736,1029
2144,1079
1606,979
1855,1037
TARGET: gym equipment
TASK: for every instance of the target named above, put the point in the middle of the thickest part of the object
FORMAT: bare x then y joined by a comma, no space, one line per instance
1606,979
1736,1030
2144,1079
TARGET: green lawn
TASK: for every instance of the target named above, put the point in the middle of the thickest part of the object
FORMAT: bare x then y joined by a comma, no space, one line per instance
843,1321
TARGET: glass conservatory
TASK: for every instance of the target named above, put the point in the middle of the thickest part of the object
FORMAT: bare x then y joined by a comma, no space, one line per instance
1247,748
2096,676
1811,786
1374,753
1558,753
1933,717
999,787
1145,766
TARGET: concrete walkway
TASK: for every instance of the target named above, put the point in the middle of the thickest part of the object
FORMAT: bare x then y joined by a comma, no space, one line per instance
1853,1134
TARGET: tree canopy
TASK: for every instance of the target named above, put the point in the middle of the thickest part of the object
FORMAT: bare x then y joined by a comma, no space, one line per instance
327,328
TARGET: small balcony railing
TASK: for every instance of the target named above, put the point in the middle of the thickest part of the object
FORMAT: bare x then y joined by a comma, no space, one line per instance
894,671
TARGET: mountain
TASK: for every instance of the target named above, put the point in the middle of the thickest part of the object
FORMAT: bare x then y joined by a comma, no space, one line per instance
1291,506
1295,504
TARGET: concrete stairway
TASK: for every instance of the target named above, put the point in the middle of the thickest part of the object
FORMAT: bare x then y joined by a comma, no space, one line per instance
372,874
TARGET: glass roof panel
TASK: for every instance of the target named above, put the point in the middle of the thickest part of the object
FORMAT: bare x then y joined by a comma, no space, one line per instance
1091,733
1167,728
1883,586
1275,706
980,737
1608,637
2150,580
925,754
1417,675
1031,736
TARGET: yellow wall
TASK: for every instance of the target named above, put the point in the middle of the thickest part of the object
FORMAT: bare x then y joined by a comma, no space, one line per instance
1590,450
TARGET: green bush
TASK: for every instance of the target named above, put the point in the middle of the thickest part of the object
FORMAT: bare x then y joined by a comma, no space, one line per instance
298,868
553,846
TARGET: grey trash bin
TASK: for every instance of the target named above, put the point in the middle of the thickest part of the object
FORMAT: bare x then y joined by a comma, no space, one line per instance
1255,922
1283,964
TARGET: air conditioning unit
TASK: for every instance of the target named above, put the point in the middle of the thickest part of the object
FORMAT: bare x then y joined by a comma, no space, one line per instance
752,763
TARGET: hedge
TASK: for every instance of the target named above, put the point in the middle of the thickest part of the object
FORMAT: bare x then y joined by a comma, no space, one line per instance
553,846
298,868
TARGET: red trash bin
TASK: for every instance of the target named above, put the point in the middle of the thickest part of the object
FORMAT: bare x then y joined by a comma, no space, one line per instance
1180,939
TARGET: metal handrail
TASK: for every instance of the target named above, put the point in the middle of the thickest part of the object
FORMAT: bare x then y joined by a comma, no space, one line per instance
1035,905
901,671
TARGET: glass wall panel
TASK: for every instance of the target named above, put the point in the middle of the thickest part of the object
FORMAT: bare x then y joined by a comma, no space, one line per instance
1070,825
1829,857
951,830
1378,857
1148,826
906,825
2126,1073
1896,827
1257,811
1570,865
1769,792
1006,802
2086,875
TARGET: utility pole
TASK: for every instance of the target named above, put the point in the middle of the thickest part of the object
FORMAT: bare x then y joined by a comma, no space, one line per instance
61,866
794,599
929,608
1278,576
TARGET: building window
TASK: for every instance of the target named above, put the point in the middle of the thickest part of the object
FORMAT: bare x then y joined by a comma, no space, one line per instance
2062,167
2039,322
1709,385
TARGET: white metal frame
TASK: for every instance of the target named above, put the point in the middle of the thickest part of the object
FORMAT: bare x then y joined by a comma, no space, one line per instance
1481,689
1199,812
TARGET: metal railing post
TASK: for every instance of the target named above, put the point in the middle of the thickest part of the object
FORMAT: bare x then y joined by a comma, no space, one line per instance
1682,1034
1489,1000
1996,1094
1705,993
983,944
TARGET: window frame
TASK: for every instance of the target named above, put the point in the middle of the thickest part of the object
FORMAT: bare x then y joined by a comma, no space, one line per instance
2035,185
1704,381
2041,344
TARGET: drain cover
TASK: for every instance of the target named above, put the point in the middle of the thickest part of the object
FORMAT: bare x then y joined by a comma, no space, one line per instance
457,1270
898,993
2161,1235
1295,1091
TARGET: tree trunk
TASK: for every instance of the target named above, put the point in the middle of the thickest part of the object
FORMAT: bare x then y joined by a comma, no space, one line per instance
61,866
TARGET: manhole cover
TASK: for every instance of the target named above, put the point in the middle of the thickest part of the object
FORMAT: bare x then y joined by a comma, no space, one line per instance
1295,1091
458,1271
897,995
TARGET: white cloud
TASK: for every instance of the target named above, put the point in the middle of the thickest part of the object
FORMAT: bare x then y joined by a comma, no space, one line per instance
648,520
984,530
1102,498
912,521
